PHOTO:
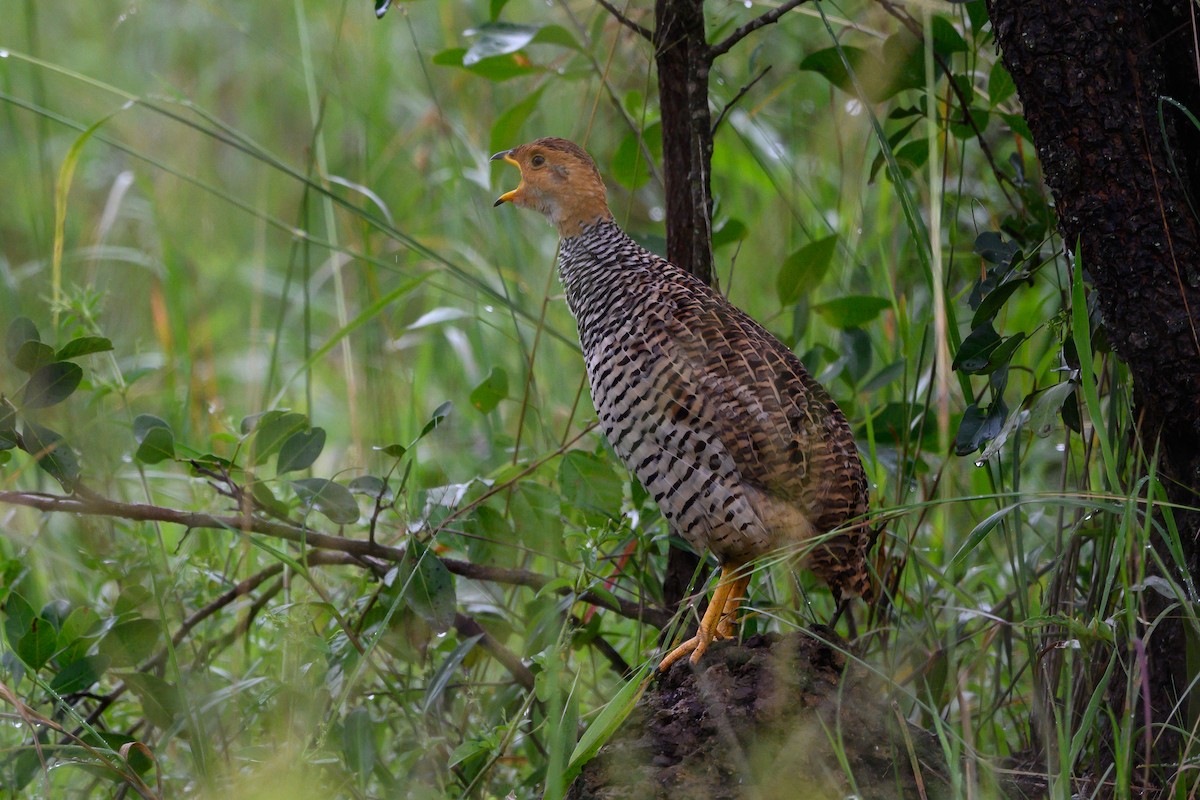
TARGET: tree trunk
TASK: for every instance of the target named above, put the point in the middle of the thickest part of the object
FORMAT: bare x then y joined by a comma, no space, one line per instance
1091,76
681,55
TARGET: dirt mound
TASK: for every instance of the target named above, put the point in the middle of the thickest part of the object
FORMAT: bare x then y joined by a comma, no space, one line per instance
774,717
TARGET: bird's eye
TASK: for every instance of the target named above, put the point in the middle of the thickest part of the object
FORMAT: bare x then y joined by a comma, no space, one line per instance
538,160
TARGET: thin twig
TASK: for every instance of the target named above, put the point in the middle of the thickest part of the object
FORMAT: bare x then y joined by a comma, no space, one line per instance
914,27
726,44
97,506
741,93
626,21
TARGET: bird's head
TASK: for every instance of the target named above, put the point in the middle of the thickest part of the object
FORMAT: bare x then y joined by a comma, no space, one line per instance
559,179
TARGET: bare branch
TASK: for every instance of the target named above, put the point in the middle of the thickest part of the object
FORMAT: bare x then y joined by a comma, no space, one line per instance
467,627
725,45
94,505
741,93
626,21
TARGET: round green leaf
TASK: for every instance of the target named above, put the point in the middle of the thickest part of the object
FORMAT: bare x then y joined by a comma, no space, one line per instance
32,355
370,486
79,675
20,331
853,311
128,644
428,586
273,429
804,269
300,450
158,445
51,384
38,643
488,394
328,498
52,453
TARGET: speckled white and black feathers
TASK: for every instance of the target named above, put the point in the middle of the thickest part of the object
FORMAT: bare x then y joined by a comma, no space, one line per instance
742,450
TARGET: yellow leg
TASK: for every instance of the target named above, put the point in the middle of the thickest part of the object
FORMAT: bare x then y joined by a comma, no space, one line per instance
711,624
736,595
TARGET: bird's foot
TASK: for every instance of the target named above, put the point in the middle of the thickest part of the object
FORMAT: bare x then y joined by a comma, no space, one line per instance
695,645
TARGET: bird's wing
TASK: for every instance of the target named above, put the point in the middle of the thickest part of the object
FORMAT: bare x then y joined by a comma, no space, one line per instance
778,425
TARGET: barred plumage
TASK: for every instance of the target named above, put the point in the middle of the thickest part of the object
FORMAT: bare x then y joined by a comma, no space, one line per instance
742,450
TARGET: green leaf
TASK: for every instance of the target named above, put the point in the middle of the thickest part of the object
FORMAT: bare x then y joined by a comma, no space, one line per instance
20,331
977,427
393,450
500,68
262,493
488,394
272,430
83,346
556,35
1000,84
8,424
157,446
439,415
300,450
828,63
52,453
1003,353
79,675
590,483
18,617
32,355
607,722
440,679
358,743
1047,407
162,702
428,586
156,441
495,7
128,644
991,304
76,635
804,269
975,351
371,486
629,167
946,39
51,384
732,231
331,499
853,311
38,643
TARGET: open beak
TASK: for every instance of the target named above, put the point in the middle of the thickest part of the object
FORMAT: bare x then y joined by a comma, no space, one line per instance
506,155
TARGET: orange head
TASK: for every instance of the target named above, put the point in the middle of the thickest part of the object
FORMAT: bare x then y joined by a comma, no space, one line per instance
559,179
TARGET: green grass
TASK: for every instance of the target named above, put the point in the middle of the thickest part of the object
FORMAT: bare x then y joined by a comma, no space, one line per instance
269,207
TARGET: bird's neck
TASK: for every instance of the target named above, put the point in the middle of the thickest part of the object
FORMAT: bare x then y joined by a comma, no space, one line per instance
580,211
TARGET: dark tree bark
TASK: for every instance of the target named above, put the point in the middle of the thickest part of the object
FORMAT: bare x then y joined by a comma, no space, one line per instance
1091,76
681,55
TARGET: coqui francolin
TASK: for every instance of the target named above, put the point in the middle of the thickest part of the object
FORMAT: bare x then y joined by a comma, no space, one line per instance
742,450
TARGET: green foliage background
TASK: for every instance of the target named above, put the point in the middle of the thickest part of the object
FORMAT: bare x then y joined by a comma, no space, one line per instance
288,208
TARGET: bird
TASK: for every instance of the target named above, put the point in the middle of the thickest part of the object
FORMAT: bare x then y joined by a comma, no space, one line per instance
742,450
